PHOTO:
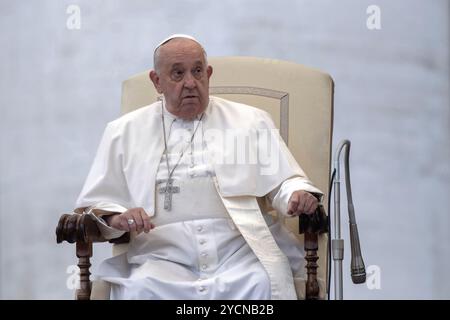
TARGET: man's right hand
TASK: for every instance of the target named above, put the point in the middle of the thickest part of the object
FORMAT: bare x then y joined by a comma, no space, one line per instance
135,219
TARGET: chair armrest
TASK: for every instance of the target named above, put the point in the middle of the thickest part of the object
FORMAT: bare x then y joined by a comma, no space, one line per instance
83,230
77,227
314,223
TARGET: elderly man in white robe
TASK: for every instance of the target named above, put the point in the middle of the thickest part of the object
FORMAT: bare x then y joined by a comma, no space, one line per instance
199,222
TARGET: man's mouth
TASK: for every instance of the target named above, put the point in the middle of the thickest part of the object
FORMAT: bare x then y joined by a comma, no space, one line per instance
189,97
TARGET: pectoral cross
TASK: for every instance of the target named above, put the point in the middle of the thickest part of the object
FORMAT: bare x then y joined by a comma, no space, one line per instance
168,190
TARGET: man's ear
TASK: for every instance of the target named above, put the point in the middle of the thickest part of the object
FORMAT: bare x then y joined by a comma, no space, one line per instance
155,79
209,71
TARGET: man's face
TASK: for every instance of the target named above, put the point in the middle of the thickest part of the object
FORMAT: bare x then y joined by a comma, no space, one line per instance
183,77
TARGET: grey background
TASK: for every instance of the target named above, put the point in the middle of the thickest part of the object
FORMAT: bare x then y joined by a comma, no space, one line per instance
59,87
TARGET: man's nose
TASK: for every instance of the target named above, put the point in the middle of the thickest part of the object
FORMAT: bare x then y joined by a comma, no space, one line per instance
189,81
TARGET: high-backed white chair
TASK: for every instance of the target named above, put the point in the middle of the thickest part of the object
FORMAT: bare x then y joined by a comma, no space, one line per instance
300,101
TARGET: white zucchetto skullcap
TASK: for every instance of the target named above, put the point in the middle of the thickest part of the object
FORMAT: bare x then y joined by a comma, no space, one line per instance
177,35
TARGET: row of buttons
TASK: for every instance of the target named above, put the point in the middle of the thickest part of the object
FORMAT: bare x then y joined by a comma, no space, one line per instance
202,288
203,256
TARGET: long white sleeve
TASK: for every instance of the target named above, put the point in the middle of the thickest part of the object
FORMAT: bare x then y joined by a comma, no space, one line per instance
280,196
106,182
106,189
98,210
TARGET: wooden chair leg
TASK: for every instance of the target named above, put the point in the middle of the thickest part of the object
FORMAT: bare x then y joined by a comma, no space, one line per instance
84,253
311,247
311,226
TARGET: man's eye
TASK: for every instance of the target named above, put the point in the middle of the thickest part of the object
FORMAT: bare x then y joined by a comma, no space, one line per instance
198,72
177,74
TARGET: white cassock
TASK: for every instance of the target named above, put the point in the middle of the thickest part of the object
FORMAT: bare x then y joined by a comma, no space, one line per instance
217,241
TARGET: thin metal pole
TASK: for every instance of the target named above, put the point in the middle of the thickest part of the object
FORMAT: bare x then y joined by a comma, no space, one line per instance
337,243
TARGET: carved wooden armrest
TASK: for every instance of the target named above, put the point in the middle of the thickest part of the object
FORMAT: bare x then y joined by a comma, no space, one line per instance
312,225
83,230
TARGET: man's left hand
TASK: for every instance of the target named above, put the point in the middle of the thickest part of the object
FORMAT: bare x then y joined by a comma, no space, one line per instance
302,202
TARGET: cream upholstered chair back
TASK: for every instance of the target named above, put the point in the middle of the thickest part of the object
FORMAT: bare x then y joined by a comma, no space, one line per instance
299,99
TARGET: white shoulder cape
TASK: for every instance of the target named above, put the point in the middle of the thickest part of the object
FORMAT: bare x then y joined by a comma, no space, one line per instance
129,153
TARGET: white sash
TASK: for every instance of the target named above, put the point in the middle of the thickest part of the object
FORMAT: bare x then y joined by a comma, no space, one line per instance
247,216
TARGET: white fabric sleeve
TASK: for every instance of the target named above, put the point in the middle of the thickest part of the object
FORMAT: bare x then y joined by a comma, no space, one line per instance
106,181
106,188
107,232
280,196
